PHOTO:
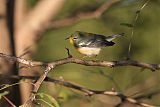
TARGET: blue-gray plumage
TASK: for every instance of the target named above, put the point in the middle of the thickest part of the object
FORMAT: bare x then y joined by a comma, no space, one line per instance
84,39
90,44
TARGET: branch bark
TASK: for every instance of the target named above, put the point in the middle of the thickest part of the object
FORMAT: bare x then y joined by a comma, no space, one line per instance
67,60
5,47
5,42
29,26
53,64
88,92
34,21
81,16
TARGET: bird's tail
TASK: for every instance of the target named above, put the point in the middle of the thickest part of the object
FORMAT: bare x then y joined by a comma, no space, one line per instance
110,38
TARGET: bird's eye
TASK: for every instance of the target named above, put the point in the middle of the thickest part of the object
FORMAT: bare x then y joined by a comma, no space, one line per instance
74,38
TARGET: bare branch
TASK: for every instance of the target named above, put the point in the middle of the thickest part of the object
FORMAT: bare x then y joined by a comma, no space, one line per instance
49,66
20,12
149,95
68,52
9,101
28,32
37,85
87,15
88,92
34,23
67,60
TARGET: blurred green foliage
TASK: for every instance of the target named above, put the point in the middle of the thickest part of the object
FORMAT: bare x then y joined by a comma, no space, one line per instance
145,47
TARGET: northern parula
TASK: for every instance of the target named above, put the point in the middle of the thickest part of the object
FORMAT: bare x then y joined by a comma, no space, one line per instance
90,44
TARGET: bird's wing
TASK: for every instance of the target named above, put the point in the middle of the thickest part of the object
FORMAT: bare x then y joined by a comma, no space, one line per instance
95,41
110,38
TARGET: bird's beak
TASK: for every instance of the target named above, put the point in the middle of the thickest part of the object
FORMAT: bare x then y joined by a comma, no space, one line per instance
67,38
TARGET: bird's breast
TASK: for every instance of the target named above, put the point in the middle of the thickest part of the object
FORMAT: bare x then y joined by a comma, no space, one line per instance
89,51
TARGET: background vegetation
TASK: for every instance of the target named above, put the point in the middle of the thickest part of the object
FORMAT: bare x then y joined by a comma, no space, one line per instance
139,83
130,80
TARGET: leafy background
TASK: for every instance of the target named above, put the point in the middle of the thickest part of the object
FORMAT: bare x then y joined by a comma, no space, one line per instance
129,80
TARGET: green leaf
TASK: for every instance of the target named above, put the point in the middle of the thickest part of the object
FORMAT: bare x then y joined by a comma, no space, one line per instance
126,24
50,98
3,94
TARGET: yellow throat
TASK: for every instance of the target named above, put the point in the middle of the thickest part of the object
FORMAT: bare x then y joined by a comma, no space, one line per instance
71,40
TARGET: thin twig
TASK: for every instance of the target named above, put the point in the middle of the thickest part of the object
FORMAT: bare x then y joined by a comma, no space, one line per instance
81,16
88,92
49,66
38,84
68,52
9,101
53,64
67,60
133,27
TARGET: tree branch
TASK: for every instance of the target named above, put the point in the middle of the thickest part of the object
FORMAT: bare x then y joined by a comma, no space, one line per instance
88,92
67,60
29,31
81,16
37,85
49,66
9,101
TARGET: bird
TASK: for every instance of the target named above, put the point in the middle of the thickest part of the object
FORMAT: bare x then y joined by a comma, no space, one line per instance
90,44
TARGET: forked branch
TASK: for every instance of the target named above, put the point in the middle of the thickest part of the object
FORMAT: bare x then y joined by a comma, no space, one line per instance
88,92
81,16
67,60
51,65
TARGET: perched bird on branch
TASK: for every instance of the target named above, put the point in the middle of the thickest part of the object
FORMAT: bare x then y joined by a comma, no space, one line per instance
90,44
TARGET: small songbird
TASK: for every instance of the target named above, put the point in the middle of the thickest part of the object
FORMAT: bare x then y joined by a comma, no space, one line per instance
90,44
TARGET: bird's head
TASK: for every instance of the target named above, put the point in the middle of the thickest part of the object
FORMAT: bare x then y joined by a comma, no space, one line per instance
73,38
